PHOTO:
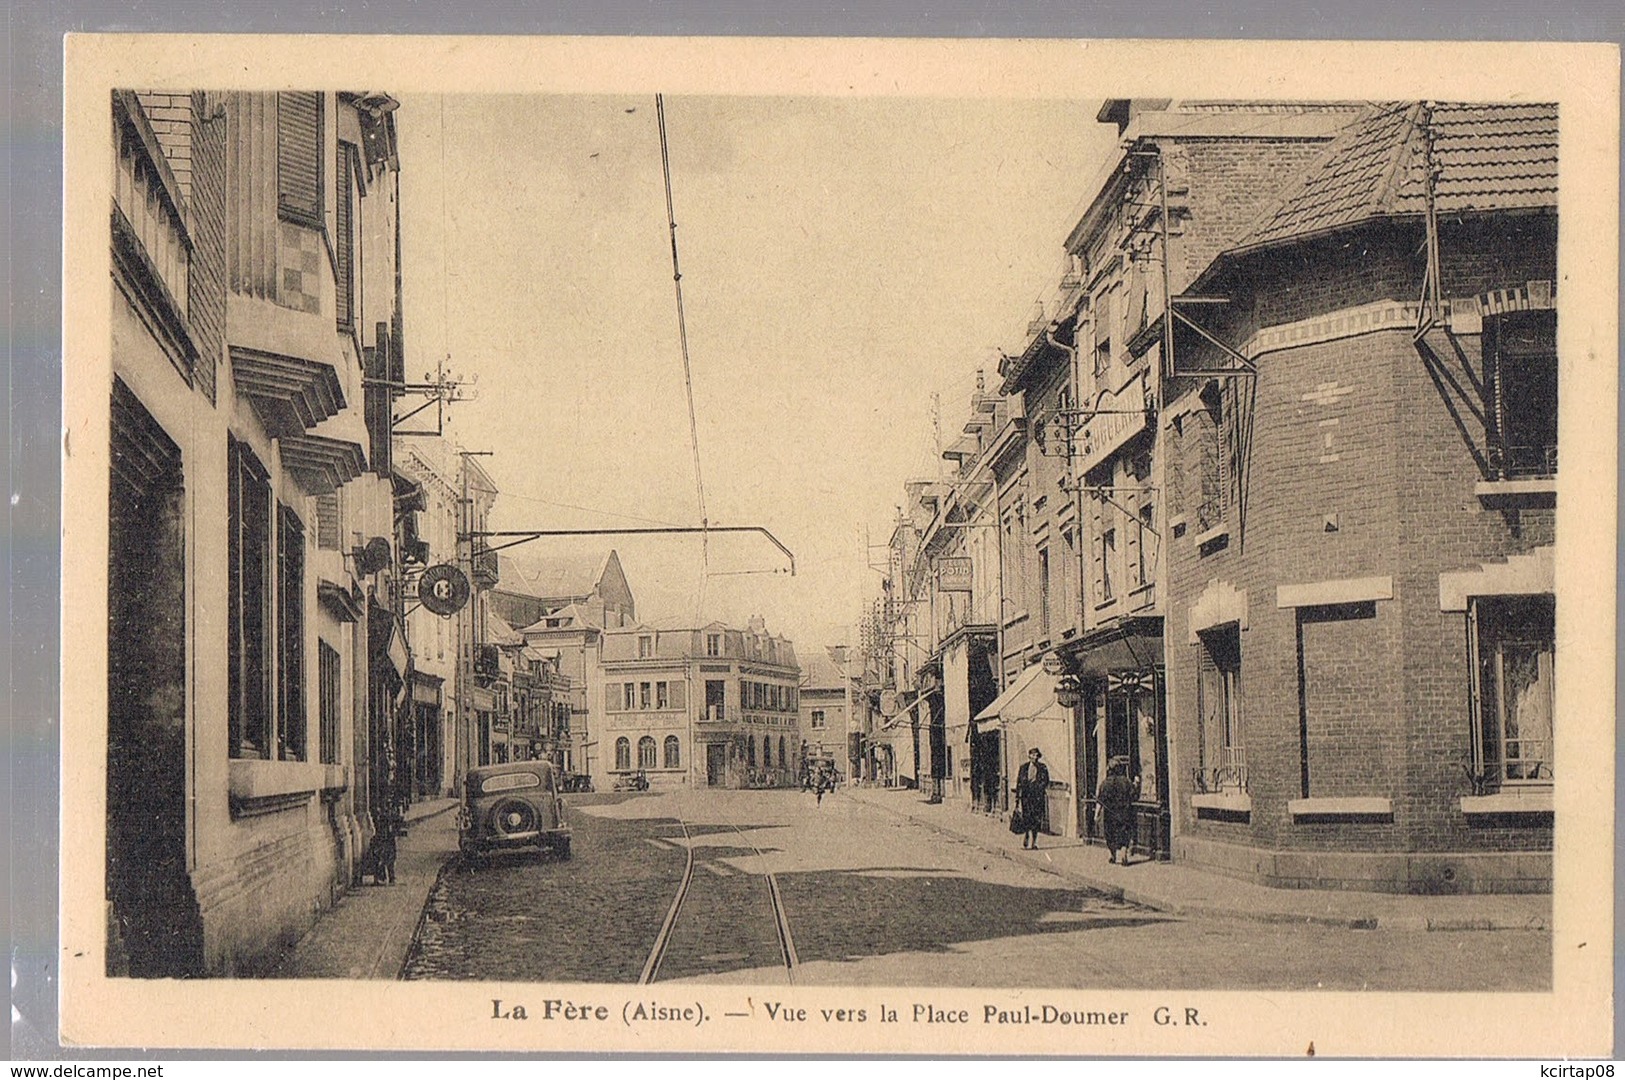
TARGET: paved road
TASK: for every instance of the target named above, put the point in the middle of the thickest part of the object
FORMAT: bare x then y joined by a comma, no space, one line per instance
872,899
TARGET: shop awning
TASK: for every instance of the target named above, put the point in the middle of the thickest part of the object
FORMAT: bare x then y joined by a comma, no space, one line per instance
1130,644
1030,697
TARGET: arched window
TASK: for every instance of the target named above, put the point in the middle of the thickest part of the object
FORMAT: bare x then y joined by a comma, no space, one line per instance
750,752
673,752
646,752
623,753
767,751
783,761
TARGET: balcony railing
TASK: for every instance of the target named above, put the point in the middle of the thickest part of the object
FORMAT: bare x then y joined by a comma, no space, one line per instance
1229,774
1522,462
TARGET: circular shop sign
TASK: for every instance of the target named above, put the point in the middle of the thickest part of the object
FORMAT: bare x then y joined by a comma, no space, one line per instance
443,589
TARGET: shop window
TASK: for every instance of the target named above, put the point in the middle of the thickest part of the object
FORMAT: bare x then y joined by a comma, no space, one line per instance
782,758
248,571
646,753
623,753
1515,683
674,752
767,751
750,752
1520,382
299,157
1222,763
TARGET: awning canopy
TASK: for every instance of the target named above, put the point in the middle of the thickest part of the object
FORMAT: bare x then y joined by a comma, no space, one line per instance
1131,644
1030,697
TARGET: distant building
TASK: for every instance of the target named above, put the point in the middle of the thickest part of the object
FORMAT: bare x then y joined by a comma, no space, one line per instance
829,729
531,587
709,706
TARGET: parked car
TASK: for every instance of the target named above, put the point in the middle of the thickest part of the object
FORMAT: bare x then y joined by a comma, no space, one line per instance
512,807
575,782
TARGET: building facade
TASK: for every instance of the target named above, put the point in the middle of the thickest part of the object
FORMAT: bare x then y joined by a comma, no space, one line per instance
828,718
709,707
254,642
1361,601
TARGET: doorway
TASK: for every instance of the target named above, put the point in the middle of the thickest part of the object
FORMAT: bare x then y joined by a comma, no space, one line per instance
716,764
154,912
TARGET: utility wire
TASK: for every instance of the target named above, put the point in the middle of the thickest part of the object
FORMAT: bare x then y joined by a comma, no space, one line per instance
682,334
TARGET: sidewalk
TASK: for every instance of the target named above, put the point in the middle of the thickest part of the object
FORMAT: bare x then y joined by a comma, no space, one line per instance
366,935
1184,890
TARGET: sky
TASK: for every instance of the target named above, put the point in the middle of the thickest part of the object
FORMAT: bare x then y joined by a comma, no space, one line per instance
843,260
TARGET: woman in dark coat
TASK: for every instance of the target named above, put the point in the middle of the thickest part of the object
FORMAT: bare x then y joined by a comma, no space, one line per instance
1117,794
1032,795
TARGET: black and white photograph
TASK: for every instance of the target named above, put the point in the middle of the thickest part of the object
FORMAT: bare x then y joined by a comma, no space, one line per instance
625,548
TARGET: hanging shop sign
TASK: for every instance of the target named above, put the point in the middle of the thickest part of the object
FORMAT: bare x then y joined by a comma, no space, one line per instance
888,703
443,589
954,574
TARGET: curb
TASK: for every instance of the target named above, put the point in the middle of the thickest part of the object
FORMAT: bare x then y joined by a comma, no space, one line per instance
1173,907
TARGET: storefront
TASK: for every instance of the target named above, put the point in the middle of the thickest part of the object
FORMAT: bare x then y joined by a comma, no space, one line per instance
1026,717
1122,713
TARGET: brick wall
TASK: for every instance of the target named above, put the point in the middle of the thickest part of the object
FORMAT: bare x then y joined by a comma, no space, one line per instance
206,285
170,113
1362,462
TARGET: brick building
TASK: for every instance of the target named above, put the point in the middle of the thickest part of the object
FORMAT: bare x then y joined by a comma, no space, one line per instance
1360,493
254,645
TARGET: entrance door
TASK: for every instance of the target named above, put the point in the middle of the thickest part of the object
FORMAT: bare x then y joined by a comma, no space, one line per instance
155,912
716,764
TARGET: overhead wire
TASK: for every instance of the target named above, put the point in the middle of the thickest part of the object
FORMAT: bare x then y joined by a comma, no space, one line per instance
682,335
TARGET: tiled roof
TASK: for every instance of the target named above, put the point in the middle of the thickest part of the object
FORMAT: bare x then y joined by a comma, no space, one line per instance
1487,157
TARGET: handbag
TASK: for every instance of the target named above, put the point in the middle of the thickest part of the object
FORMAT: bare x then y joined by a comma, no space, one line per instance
1018,821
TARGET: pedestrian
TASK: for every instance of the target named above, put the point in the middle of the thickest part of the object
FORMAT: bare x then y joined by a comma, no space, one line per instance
1116,798
1032,797
825,783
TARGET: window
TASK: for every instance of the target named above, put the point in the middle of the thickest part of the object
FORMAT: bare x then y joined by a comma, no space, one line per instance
248,524
818,718
328,690
767,751
643,696
299,157
1108,559
623,753
1520,382
629,698
1043,592
646,753
715,695
782,758
1146,562
662,695
674,754
1103,334
713,644
1218,703
750,752
646,647
291,635
344,249
1513,638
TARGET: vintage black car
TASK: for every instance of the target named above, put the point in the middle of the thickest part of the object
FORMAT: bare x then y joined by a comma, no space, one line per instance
512,807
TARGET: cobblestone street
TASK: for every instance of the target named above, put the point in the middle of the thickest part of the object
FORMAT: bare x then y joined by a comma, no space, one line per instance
872,899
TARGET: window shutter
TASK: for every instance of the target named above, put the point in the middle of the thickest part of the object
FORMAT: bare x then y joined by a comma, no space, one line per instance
298,156
344,225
